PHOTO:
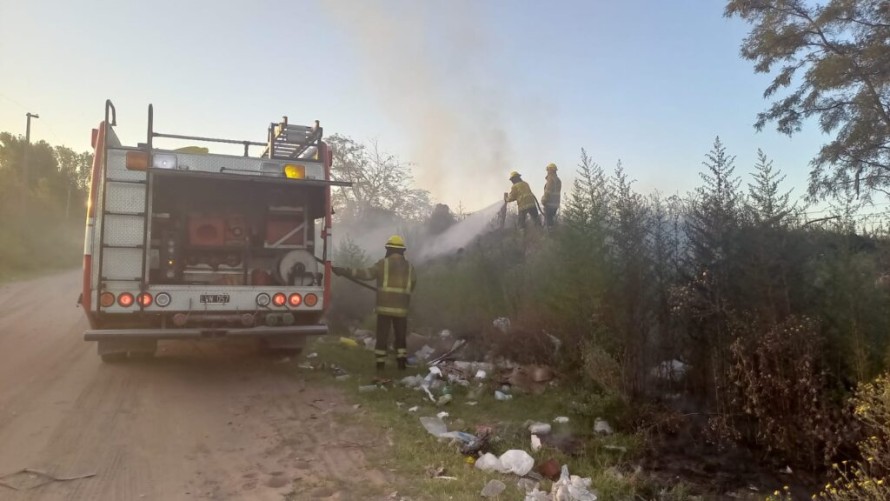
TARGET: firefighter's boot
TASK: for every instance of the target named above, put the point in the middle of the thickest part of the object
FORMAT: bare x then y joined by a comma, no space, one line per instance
402,358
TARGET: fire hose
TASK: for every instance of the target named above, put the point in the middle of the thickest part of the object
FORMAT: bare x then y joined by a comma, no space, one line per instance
353,280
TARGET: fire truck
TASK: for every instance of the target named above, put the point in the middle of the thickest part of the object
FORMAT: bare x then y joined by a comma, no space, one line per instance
187,244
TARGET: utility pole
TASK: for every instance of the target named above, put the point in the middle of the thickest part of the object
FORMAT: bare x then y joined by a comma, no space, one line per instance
25,159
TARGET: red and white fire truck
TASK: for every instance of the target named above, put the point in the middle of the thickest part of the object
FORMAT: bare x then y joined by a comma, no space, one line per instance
187,244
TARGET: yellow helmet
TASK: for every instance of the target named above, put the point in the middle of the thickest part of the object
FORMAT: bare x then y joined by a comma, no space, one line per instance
395,242
514,174
551,167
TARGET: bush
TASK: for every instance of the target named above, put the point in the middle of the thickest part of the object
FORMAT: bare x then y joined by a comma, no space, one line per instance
867,478
778,395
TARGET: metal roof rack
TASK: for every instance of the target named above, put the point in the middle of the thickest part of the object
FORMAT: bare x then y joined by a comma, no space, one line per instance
285,141
288,141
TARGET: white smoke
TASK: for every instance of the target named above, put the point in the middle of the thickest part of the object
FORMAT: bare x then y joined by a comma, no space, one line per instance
430,64
458,235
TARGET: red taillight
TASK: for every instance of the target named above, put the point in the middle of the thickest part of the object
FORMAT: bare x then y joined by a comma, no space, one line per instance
126,300
144,299
311,300
279,299
106,299
295,300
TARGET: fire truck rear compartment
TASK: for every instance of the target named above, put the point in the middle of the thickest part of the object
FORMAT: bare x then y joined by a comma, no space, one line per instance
233,232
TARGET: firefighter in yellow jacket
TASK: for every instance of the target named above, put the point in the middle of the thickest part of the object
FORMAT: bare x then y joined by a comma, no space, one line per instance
395,282
525,200
551,198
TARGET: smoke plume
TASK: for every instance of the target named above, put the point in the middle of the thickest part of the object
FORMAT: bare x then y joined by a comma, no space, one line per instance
431,65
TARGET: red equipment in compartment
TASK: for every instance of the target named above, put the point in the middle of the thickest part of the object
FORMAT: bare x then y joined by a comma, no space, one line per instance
285,228
214,230
206,230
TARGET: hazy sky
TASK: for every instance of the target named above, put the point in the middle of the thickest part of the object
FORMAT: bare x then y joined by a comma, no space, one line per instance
468,91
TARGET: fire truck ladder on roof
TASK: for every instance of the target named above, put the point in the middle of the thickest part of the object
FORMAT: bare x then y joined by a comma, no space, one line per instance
288,141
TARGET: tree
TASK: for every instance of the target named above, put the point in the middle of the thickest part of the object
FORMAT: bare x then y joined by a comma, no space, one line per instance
75,170
714,214
630,289
834,61
44,181
767,205
440,220
765,250
712,228
381,183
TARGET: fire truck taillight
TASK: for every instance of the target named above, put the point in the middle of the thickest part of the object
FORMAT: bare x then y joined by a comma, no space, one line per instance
310,300
137,160
144,299
126,300
295,300
106,299
279,299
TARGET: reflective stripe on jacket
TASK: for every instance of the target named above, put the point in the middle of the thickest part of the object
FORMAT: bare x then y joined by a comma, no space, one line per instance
395,282
552,189
521,193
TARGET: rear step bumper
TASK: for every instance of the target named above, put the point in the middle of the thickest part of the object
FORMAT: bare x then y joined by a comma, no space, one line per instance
204,333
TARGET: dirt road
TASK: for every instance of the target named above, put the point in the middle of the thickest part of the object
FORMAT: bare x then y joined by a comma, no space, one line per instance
201,421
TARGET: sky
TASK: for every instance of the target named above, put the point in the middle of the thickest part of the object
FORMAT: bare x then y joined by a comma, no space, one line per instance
465,91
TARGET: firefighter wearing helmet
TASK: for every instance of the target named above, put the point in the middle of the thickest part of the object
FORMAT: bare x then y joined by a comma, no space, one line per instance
395,282
550,200
525,200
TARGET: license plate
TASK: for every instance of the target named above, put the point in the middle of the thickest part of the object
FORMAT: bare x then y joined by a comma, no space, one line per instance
214,298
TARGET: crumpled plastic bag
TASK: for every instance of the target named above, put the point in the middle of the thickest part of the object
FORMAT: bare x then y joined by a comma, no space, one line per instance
437,428
572,487
493,489
434,425
517,462
489,462
537,495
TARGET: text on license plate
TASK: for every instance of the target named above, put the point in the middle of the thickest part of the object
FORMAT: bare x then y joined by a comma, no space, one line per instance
215,298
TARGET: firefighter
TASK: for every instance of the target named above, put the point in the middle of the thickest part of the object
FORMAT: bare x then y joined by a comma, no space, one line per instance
550,200
395,282
525,200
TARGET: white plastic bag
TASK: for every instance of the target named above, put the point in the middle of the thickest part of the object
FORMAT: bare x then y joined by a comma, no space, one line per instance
489,462
517,462
539,428
572,487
